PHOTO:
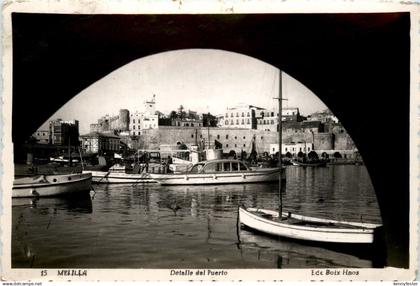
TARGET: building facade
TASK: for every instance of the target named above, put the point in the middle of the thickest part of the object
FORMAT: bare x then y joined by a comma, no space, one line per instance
253,117
64,132
147,119
118,123
101,143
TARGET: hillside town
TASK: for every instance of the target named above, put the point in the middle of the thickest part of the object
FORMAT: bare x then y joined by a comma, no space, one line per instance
239,131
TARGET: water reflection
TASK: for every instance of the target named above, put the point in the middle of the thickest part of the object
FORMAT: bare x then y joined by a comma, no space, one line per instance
152,226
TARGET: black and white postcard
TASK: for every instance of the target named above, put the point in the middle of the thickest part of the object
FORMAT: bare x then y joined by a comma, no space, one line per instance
168,140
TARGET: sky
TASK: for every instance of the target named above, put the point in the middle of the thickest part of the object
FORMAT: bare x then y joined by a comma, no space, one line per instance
199,79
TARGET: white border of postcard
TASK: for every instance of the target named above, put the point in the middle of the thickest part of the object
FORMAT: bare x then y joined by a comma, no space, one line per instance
201,7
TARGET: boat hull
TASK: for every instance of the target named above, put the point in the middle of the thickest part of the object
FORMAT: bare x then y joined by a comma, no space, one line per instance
54,185
354,233
318,164
266,175
100,177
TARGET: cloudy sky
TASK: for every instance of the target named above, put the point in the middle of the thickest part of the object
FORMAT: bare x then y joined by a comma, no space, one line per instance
201,80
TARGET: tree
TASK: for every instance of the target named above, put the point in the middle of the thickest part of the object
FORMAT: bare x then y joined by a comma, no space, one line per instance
173,114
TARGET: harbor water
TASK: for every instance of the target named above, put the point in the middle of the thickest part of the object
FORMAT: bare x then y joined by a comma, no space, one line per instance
152,226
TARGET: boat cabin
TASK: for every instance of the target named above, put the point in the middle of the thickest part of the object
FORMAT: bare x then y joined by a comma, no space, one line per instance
218,166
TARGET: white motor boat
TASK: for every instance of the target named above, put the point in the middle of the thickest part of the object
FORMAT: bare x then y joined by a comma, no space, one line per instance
222,171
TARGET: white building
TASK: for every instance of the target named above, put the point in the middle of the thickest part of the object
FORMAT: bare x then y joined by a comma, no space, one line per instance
253,117
241,116
147,119
293,148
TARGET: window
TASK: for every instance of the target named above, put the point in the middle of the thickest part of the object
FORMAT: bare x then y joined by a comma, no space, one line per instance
226,166
237,114
138,120
213,167
134,126
262,137
243,122
227,136
227,122
285,149
248,122
235,167
235,146
263,121
236,137
134,121
192,124
300,149
138,133
272,121
243,114
201,136
196,168
272,114
237,121
244,137
227,145
192,135
231,122
231,115
244,145
218,136
227,115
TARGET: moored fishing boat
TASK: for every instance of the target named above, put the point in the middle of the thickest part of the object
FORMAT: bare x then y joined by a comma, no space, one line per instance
307,228
221,171
51,185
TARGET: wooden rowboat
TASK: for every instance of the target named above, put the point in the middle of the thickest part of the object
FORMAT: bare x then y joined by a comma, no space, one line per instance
52,185
307,228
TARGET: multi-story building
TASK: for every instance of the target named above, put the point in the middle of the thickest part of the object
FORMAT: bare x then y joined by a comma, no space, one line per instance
101,143
253,117
241,116
64,132
148,119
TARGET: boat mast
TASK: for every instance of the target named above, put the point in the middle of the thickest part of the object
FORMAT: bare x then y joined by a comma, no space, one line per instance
280,143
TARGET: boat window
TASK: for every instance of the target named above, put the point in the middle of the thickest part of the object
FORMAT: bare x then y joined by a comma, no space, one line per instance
226,166
235,167
213,167
242,167
196,168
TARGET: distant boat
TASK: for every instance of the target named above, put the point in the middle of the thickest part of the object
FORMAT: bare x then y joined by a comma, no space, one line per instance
221,171
307,228
309,163
51,185
61,159
118,174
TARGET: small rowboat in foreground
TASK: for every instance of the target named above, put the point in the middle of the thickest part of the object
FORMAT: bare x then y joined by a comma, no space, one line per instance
53,185
307,228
